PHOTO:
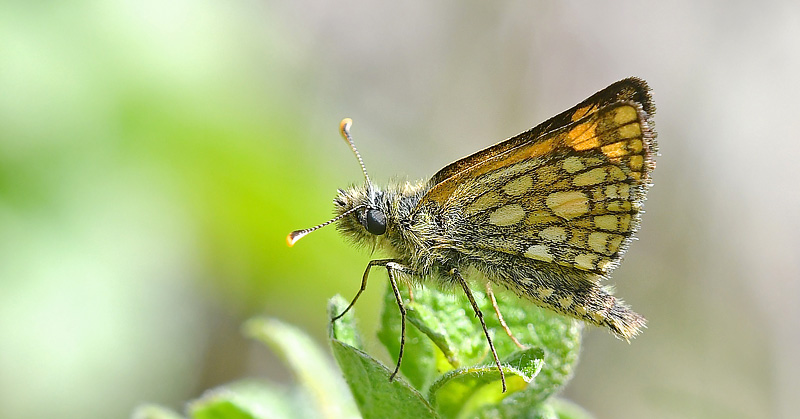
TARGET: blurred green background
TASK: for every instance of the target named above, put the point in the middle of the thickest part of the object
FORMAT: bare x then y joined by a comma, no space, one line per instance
154,155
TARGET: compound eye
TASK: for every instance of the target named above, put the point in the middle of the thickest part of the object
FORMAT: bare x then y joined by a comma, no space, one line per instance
375,222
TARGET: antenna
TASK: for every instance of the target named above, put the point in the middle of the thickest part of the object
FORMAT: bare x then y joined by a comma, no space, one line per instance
296,235
344,129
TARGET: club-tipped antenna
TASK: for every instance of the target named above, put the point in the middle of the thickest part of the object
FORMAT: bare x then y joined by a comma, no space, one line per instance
296,235
344,128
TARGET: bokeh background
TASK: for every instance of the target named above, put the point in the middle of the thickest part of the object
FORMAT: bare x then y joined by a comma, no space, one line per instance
153,156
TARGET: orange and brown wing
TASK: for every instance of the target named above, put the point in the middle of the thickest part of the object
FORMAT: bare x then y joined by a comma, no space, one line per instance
568,191
630,89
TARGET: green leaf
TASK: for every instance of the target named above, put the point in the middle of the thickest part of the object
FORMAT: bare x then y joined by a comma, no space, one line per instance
558,336
445,336
243,400
565,409
465,390
375,395
152,411
310,365
537,411
344,328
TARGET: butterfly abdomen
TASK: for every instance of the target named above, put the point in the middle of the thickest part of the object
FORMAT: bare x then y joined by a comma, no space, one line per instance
575,293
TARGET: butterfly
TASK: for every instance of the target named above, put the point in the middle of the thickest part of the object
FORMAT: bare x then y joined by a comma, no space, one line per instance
547,214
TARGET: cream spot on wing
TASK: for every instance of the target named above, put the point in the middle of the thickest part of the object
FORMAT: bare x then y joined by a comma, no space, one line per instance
592,177
565,302
581,310
625,221
604,264
636,162
598,317
615,173
598,194
544,292
630,131
539,252
586,261
635,146
573,164
614,243
611,191
618,206
606,222
554,234
519,185
593,161
568,204
598,242
624,191
484,202
625,114
507,215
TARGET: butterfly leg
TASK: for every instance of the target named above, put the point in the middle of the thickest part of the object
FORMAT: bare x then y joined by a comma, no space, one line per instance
390,268
377,262
500,316
479,314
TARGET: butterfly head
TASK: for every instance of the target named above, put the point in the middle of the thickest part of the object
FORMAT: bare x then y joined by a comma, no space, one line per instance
361,209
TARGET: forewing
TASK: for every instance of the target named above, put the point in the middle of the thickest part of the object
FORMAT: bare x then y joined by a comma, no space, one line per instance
568,194
627,90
